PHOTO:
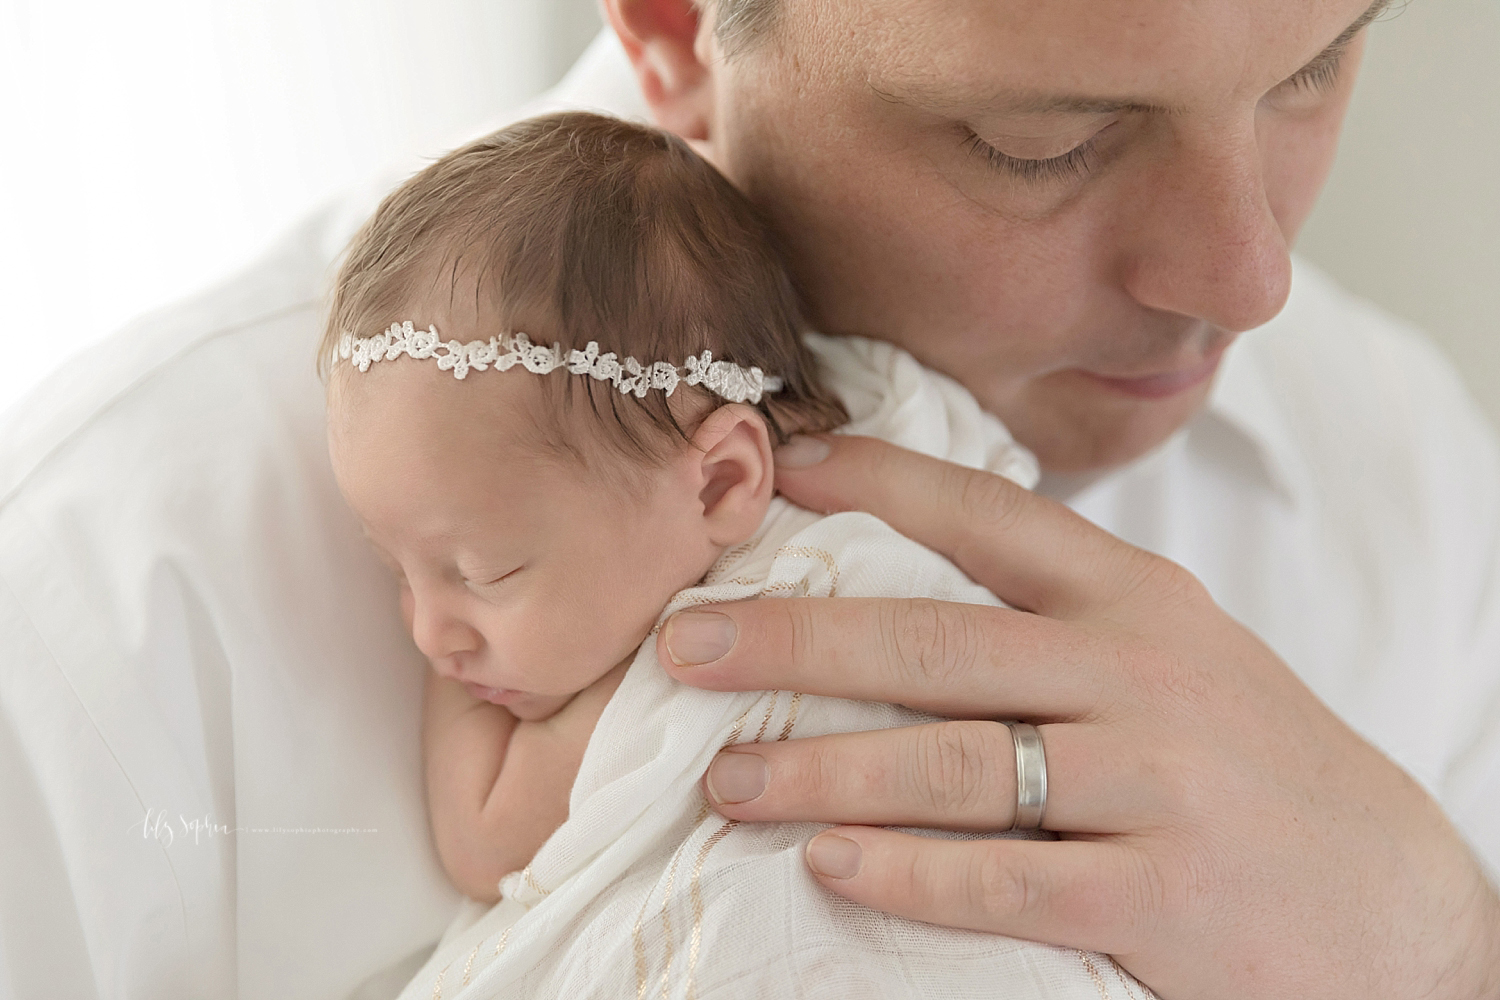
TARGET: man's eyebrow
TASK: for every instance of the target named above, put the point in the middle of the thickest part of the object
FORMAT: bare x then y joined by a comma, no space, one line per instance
1073,105
1041,104
1016,102
1336,47
1360,24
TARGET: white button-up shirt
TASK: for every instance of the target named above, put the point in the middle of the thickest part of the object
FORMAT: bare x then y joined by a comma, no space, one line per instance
1340,495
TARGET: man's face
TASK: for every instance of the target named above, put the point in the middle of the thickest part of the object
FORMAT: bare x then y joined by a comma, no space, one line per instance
1069,206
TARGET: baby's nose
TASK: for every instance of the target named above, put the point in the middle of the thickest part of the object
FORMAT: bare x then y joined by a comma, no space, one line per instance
447,668
441,637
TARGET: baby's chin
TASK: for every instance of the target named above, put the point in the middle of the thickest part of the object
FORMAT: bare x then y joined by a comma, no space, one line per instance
538,707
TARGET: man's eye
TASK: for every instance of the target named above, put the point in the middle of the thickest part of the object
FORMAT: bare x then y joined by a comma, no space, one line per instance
1069,166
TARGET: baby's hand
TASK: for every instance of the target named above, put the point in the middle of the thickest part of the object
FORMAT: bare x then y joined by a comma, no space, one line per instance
497,787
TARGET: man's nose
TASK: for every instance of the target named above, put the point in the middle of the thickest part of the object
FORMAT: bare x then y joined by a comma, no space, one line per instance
1202,239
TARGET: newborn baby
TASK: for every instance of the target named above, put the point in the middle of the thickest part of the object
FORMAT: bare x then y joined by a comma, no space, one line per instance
558,363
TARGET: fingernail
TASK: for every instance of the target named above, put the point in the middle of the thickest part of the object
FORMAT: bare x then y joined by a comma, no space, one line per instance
698,637
834,856
736,777
801,451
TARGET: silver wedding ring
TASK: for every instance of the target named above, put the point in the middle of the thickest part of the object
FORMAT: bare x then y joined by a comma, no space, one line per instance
1031,776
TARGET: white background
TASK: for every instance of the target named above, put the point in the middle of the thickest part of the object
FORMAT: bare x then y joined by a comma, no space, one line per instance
148,147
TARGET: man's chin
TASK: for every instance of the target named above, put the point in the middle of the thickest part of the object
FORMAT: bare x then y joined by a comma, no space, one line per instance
1076,428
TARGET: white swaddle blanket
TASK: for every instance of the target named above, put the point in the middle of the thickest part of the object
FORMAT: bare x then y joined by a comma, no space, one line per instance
644,891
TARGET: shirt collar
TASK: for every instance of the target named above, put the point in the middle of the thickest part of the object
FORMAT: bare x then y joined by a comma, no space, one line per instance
1240,431
1243,429
1244,404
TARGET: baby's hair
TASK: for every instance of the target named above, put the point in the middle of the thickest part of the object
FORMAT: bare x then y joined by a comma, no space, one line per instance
576,227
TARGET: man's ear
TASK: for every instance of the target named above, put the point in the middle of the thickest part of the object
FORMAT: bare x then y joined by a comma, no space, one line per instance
668,44
736,473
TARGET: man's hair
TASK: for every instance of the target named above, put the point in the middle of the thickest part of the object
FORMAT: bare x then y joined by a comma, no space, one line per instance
737,23
576,227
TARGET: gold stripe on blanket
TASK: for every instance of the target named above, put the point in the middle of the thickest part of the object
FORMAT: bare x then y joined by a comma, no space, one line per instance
822,555
1093,971
765,723
696,894
791,716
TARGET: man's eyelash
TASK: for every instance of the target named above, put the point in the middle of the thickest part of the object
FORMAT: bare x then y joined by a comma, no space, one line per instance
1071,165
1319,77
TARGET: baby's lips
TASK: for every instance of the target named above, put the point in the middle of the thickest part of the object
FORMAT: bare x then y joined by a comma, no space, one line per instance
495,696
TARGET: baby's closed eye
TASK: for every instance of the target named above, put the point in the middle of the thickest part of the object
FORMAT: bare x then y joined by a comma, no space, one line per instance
483,580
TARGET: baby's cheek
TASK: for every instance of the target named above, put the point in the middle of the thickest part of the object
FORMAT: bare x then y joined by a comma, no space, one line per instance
408,608
544,650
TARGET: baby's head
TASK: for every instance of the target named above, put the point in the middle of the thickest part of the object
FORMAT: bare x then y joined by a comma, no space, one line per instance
539,523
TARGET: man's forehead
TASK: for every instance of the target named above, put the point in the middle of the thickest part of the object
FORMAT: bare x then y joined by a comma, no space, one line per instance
1084,57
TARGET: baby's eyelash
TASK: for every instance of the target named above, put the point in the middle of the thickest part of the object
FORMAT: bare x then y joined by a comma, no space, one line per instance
497,580
1071,165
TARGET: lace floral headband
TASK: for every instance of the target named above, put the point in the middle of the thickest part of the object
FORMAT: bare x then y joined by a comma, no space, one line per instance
723,378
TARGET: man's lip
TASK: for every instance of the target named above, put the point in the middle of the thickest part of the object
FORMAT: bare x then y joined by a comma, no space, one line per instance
1164,384
495,696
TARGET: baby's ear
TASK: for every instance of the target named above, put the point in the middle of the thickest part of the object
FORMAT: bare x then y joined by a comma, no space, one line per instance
736,473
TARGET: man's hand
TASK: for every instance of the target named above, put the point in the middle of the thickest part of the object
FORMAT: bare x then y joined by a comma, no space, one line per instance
1223,834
